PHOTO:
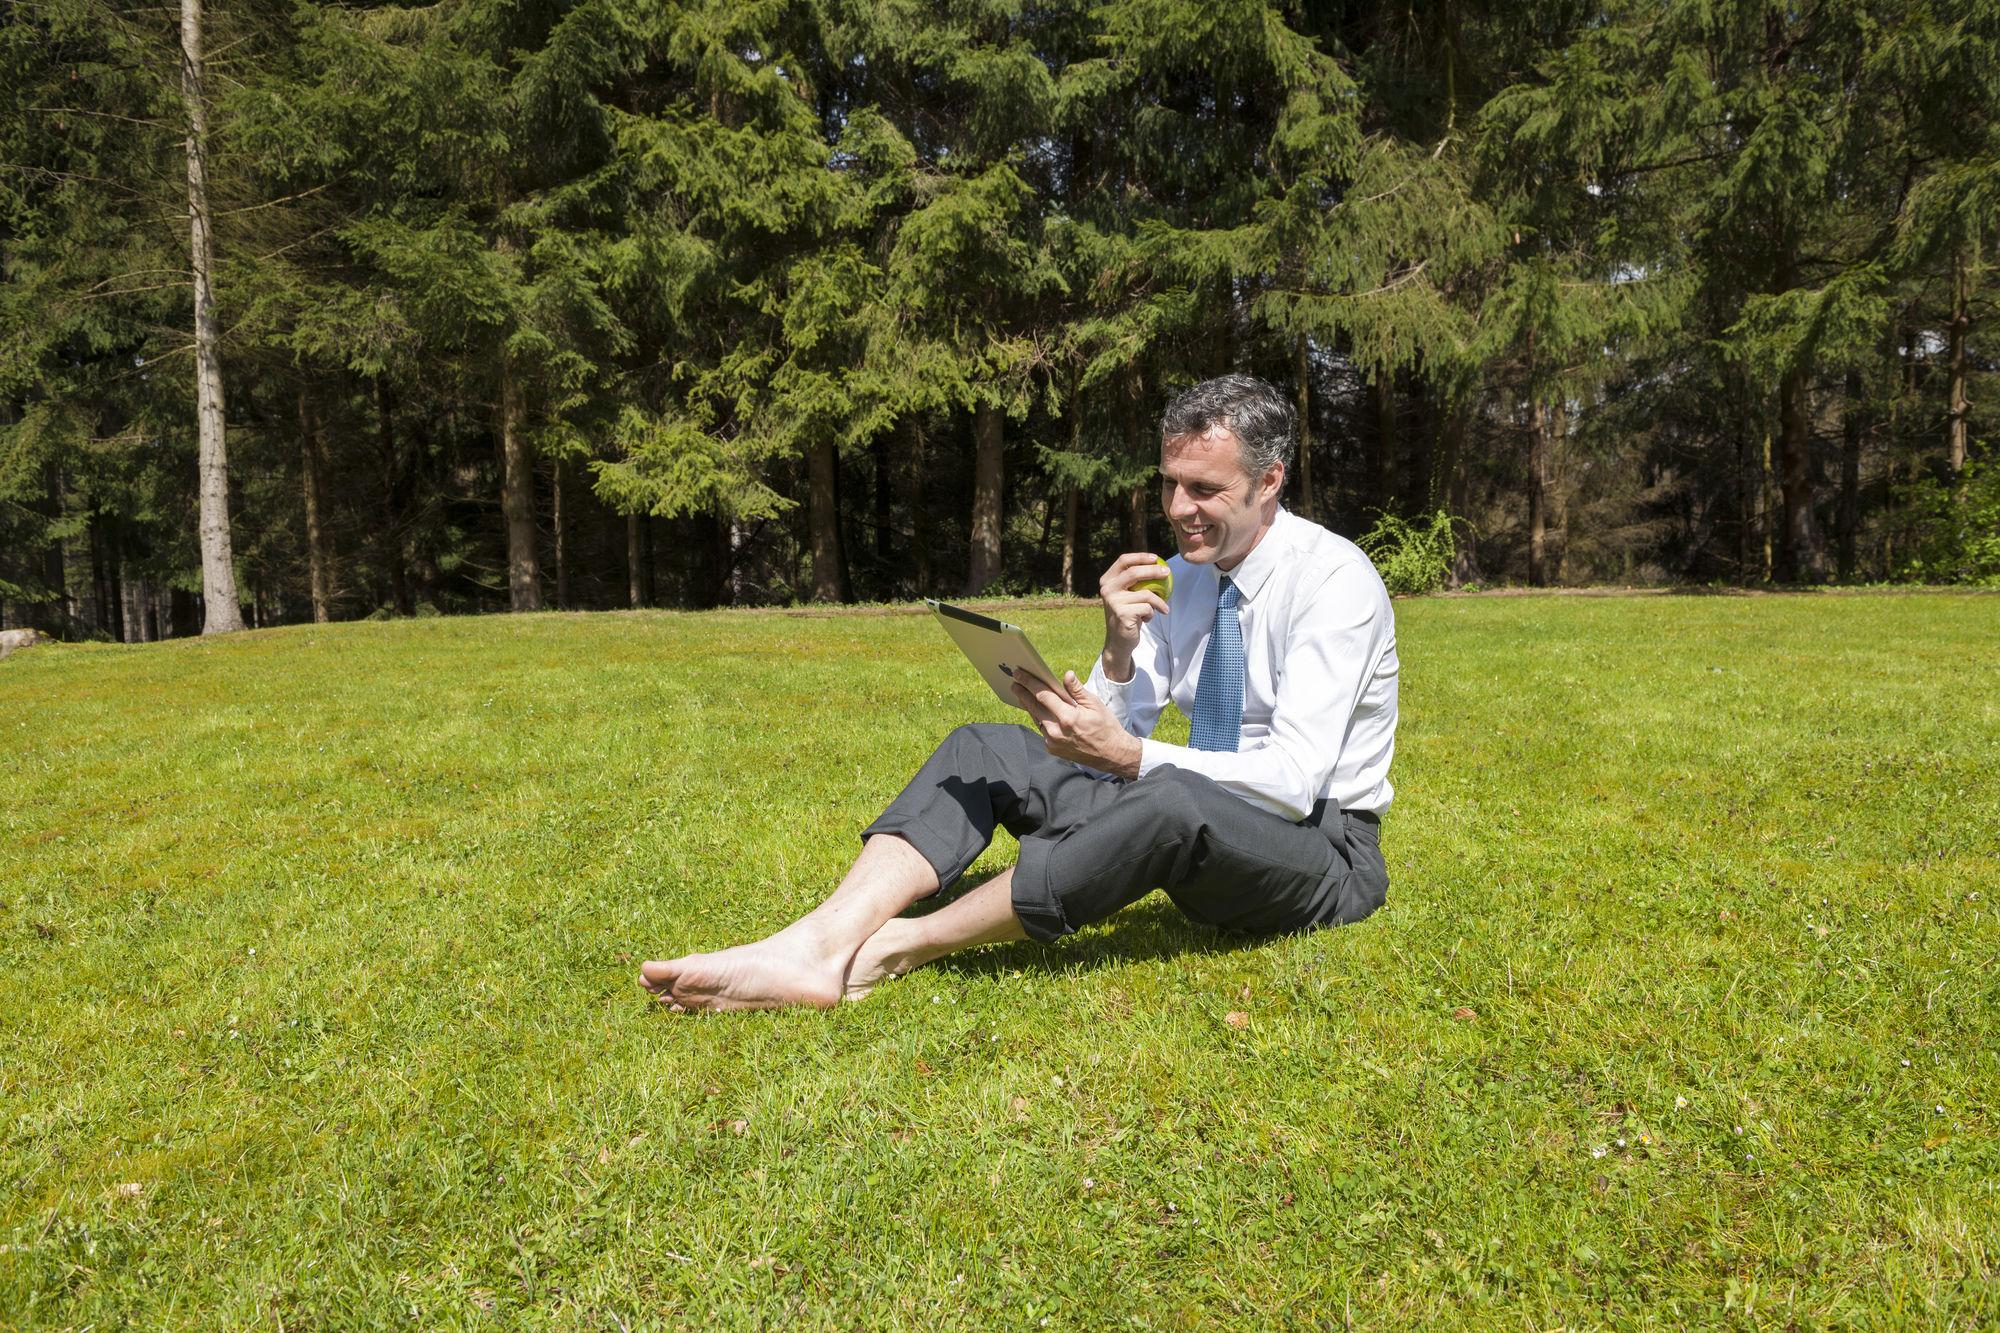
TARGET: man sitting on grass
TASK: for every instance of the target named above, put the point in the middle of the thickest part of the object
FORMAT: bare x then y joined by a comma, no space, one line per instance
1280,646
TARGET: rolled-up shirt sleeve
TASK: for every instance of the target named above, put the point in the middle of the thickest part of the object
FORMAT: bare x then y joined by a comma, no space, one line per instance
1336,640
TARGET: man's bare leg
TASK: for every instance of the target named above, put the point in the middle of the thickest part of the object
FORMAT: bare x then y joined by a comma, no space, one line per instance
983,916
806,962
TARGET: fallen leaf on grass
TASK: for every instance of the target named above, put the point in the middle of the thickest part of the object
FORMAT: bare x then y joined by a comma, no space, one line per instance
131,1189
1236,1018
1464,1014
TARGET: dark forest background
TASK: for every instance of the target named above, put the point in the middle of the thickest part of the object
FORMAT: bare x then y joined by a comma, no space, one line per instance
505,303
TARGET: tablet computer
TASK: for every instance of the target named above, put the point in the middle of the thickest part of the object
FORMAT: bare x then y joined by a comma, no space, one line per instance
1000,651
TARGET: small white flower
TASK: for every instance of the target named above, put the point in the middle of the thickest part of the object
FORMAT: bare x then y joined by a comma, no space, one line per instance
1906,1064
1739,1129
1599,1151
1940,1110
1621,1143
1680,1103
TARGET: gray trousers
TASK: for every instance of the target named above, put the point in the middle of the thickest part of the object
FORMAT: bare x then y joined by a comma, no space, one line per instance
1090,847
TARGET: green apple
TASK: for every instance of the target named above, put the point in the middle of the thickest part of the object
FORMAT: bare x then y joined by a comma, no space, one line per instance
1163,585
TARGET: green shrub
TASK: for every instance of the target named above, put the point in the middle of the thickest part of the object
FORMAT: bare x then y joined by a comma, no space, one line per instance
1412,559
1959,527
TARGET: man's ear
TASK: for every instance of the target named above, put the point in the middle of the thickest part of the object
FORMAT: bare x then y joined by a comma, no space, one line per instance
1272,482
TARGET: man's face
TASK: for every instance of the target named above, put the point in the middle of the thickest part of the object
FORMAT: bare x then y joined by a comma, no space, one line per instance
1217,509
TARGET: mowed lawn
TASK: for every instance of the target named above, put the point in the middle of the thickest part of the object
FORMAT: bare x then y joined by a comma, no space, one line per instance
317,1001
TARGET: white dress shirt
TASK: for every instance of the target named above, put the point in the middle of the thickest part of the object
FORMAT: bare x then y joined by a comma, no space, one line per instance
1319,673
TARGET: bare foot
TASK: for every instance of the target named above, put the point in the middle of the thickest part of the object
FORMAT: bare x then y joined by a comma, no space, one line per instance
883,958
773,973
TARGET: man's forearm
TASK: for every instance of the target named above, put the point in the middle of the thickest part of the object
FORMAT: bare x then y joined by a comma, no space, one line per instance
1117,663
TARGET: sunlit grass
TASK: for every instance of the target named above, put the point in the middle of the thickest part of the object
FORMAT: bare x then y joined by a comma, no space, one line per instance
317,1002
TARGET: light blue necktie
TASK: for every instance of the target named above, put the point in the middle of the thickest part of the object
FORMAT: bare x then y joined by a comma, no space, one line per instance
1218,696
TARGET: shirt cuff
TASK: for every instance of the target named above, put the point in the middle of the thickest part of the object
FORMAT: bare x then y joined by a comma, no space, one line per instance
1113,692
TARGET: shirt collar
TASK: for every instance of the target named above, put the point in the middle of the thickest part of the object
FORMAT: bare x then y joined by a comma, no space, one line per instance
1256,568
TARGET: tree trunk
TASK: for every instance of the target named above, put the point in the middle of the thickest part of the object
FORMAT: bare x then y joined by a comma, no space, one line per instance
1384,394
319,559
634,569
1957,404
55,618
562,552
1802,553
1138,507
1444,474
1302,388
1766,507
1072,497
988,445
649,587
114,582
1422,432
1746,509
878,450
920,514
823,518
1538,466
1072,518
561,523
136,597
394,504
517,497
100,608
1850,473
222,613
1556,497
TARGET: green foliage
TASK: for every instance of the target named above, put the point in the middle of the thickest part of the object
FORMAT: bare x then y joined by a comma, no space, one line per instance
720,251
1958,527
1411,557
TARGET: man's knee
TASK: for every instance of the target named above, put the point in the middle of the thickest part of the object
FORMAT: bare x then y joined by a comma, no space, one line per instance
1168,799
973,746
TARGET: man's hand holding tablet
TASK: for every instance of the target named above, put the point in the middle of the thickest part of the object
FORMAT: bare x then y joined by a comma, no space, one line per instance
1076,726
1074,723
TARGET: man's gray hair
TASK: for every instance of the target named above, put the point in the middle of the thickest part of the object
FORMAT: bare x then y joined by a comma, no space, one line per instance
1254,412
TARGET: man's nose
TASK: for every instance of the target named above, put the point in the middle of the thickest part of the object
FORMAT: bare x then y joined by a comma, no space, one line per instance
1178,503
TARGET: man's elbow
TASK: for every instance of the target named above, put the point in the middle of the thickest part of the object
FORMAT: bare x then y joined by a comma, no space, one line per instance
1296,791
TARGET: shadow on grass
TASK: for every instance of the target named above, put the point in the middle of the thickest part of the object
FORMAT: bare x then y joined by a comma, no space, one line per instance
1152,928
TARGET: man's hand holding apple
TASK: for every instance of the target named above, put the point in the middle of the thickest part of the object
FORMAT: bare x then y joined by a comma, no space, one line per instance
1128,606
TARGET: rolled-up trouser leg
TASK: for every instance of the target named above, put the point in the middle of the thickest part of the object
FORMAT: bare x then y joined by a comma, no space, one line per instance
1221,860
986,776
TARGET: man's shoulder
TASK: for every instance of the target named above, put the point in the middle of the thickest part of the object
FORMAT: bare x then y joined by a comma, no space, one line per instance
1321,553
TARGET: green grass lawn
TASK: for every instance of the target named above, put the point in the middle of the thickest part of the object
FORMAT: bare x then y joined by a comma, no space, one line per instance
317,1001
